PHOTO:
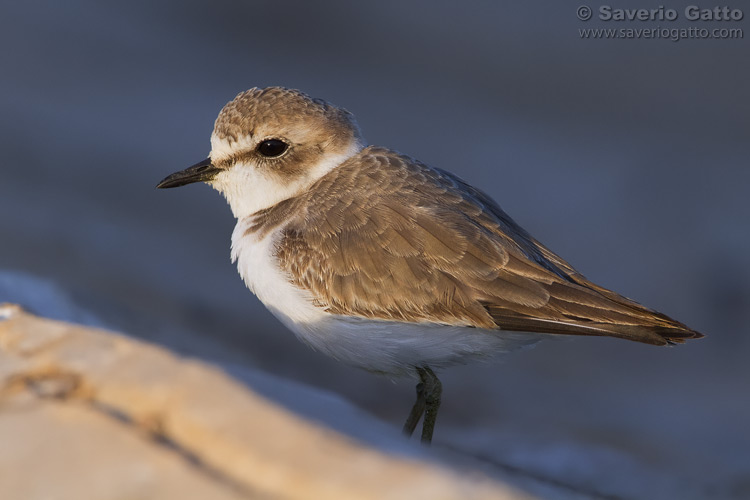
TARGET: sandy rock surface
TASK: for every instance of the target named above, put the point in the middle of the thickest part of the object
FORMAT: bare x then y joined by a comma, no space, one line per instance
87,413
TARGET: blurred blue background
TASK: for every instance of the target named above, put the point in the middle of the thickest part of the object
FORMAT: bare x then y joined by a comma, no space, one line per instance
629,158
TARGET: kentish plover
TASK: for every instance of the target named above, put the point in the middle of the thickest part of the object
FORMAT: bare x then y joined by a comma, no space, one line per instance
386,263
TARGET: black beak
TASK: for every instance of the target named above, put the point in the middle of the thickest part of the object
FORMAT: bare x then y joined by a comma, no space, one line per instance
200,172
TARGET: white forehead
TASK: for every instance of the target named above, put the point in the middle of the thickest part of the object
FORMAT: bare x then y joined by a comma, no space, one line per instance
223,148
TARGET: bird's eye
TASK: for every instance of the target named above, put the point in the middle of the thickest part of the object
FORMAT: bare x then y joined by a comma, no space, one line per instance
271,148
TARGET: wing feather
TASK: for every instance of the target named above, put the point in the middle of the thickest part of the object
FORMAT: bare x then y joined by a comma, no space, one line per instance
385,236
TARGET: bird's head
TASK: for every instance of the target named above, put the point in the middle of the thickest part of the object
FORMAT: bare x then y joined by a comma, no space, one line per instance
269,145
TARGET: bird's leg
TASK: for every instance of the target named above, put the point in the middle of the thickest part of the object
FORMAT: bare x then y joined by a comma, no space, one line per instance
432,390
429,390
416,411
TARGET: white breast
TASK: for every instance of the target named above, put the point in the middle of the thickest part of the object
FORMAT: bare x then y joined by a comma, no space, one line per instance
257,265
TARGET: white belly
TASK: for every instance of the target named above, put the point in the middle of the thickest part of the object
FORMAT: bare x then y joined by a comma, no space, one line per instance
388,347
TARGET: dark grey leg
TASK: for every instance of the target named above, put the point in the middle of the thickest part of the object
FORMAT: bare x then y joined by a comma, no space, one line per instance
429,390
432,392
416,411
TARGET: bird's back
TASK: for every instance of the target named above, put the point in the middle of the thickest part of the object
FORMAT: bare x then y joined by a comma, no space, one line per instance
385,237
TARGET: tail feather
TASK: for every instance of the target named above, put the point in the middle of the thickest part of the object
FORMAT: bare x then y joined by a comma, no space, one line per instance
648,334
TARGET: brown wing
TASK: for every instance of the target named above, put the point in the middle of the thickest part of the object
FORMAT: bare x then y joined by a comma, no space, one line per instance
384,236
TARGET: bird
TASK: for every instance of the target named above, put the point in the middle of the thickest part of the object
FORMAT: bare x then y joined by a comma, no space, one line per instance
385,263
